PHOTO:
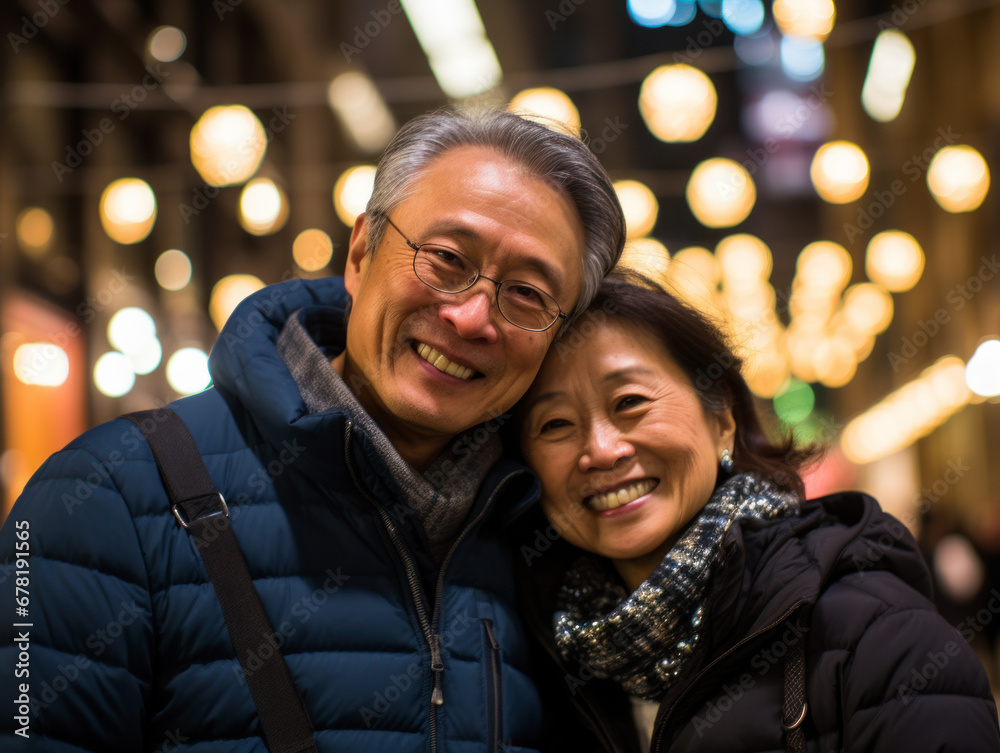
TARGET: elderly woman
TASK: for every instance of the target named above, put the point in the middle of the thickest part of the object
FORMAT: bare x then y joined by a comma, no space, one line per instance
689,595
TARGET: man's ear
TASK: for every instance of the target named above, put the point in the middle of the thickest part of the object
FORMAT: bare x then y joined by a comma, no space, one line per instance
357,252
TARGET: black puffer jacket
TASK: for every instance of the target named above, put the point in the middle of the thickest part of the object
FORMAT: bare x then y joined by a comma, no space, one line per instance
884,671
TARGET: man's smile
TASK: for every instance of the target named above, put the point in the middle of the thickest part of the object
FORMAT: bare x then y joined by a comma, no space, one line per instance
441,362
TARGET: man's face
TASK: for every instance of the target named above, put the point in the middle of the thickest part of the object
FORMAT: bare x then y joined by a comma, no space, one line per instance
512,226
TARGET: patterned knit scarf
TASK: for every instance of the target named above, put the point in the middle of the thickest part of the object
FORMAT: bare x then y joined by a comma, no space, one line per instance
645,640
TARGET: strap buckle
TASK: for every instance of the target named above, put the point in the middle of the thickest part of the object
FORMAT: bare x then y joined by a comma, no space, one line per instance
798,722
204,509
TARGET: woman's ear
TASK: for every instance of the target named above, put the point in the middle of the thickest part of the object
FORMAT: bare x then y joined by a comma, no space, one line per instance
725,430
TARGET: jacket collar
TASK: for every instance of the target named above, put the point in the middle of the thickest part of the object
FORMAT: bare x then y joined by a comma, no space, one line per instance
245,365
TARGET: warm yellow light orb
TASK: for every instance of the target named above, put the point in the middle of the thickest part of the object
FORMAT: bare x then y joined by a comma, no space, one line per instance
868,308
768,373
958,178
227,294
647,256
639,205
546,104
128,210
721,193
805,18
693,275
823,265
894,260
678,103
263,207
835,362
745,260
34,230
312,250
228,144
173,270
352,191
840,172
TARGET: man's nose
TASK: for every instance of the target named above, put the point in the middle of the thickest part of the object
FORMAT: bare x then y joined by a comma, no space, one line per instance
471,312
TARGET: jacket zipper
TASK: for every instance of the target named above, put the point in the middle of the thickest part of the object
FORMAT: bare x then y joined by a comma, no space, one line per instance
661,724
495,728
429,627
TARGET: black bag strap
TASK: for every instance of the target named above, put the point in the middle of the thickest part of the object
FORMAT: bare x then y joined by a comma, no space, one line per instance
795,706
201,510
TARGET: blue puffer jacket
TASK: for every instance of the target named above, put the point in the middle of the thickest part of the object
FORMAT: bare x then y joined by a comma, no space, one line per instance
126,649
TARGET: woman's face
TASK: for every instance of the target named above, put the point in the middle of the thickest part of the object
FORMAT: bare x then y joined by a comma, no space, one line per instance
626,454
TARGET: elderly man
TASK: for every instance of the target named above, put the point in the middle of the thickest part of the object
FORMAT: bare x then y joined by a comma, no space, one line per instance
352,430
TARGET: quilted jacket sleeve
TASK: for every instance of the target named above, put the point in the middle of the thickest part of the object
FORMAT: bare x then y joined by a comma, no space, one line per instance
914,684
77,661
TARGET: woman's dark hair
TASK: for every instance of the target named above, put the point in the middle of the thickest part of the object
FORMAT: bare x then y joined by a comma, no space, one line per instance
700,349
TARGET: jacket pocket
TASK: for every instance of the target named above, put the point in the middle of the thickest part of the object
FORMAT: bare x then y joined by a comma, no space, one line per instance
494,688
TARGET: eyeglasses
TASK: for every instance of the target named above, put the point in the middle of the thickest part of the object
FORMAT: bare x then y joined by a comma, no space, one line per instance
450,271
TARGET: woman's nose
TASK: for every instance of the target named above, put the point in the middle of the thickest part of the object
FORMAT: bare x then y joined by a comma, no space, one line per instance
606,445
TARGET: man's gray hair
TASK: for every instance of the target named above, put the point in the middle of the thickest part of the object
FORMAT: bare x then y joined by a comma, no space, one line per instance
555,156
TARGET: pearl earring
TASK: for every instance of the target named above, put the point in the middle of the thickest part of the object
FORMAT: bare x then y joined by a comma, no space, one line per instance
726,462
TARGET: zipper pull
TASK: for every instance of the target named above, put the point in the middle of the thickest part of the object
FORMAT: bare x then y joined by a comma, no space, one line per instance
437,667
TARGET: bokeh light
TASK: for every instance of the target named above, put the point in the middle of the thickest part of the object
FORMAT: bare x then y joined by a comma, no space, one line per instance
678,103
639,205
868,308
840,172
745,261
128,210
362,110
805,18
263,207
227,294
651,13
352,191
908,413
228,143
34,228
824,265
146,360
743,16
113,374
187,371
889,71
802,58
545,104
42,364
131,329
721,192
958,178
312,249
982,373
166,43
647,256
795,402
173,270
894,260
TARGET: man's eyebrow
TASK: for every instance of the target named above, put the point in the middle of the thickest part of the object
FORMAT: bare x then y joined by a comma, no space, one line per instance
540,265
